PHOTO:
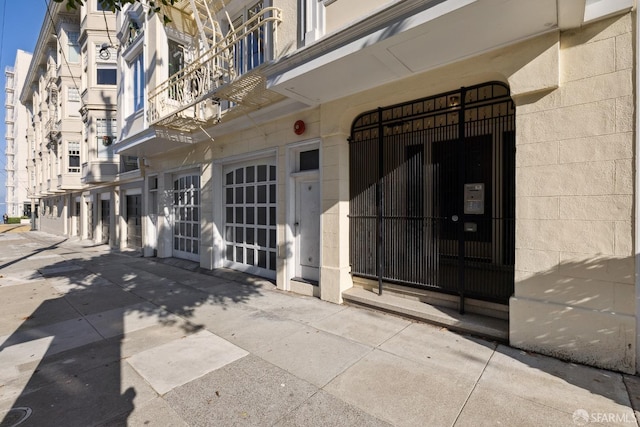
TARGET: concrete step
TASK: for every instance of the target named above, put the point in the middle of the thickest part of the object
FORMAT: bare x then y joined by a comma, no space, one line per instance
474,324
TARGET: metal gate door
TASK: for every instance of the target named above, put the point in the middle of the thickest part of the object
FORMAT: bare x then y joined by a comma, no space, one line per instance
432,189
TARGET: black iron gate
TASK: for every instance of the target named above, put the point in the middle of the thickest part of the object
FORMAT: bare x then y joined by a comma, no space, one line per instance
432,193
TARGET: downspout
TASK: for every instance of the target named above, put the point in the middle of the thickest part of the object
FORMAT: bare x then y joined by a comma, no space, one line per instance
636,214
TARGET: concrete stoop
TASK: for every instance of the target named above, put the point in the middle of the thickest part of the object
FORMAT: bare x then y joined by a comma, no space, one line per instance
474,324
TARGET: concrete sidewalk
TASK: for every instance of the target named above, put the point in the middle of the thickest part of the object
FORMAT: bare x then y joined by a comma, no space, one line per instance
90,336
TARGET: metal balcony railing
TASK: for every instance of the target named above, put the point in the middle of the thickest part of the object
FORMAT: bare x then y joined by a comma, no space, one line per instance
52,126
225,71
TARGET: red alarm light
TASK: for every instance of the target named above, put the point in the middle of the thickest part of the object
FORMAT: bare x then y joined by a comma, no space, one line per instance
299,127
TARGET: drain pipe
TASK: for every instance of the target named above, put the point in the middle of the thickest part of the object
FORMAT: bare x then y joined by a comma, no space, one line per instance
636,218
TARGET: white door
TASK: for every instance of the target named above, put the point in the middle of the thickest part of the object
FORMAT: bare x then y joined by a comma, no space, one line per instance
308,228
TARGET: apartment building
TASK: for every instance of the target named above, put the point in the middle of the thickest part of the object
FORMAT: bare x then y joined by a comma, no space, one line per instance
477,155
17,198
70,92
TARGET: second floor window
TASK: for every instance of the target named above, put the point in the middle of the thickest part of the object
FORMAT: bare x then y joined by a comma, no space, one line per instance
249,49
176,64
73,51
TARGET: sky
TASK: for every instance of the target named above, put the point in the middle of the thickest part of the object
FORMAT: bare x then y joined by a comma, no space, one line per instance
20,23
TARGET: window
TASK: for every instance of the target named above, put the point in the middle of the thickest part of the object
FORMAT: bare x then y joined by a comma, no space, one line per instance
176,57
128,163
249,50
106,74
137,81
106,131
176,64
73,48
74,94
74,157
100,7
73,102
309,160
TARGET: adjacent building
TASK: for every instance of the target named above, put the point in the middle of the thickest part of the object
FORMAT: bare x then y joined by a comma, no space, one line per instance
472,154
71,94
16,118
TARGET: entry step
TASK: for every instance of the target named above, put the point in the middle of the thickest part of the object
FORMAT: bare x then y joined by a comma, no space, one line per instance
474,324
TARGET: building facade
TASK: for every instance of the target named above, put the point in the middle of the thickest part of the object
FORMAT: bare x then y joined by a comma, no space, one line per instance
336,144
71,95
17,199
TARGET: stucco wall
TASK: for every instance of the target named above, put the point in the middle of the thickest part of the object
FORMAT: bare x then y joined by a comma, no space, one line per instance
340,13
574,292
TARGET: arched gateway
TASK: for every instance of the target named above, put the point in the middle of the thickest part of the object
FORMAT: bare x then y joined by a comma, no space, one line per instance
432,193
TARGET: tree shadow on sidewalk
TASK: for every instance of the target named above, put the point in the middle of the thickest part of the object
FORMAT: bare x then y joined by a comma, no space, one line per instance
65,364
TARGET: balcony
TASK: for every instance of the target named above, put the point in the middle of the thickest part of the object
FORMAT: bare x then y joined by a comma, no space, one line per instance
68,181
230,71
98,171
9,78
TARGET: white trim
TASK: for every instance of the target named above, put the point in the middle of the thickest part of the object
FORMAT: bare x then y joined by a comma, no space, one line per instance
599,9
133,191
314,20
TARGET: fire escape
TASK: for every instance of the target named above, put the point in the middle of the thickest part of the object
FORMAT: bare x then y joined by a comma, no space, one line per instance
225,79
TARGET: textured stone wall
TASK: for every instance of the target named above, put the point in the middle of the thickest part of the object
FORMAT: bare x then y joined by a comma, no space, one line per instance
574,295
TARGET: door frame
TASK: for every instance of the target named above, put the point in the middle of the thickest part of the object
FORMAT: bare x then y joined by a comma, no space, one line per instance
292,245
